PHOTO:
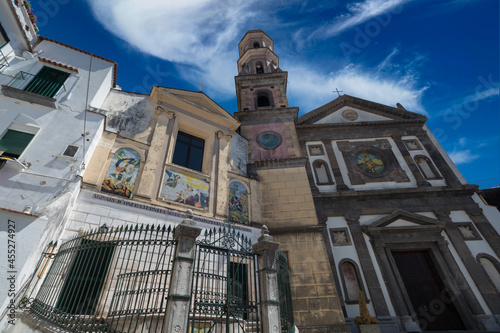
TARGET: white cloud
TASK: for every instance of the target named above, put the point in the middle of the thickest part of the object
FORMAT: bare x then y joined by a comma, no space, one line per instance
310,89
463,156
201,37
359,12
462,142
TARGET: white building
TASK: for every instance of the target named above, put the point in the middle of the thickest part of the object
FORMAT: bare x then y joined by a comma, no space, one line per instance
47,135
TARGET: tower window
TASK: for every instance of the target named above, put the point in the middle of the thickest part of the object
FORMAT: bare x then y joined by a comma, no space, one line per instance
259,68
189,151
263,99
256,45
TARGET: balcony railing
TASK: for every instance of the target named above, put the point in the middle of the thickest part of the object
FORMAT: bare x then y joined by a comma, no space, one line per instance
3,60
37,85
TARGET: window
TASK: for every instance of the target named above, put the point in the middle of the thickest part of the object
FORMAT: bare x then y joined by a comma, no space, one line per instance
3,37
47,82
256,45
259,68
263,98
70,151
13,143
189,151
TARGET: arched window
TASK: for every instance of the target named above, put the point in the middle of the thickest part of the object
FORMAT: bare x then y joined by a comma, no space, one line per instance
256,45
426,167
259,68
263,99
492,268
122,172
350,281
238,203
321,172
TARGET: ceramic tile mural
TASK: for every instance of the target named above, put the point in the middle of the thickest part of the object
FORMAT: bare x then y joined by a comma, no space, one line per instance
122,172
238,203
185,188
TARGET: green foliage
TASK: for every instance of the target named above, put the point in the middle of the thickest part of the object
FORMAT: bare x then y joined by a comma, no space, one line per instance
364,317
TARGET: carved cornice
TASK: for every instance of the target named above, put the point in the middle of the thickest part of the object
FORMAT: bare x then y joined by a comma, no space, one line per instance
281,163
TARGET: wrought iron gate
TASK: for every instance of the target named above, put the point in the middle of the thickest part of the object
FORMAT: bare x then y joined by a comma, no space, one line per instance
224,284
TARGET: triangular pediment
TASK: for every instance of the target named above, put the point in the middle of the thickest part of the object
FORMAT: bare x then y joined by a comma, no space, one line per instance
403,220
200,102
352,110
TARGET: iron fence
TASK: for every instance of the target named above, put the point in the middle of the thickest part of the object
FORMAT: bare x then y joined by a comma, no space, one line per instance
109,280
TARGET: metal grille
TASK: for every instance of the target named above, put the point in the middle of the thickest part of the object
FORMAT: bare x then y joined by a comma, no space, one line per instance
285,294
109,280
224,285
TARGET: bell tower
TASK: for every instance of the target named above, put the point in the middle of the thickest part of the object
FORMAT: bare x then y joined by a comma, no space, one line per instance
267,120
285,196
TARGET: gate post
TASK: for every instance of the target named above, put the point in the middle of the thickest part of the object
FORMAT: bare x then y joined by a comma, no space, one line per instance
268,282
177,313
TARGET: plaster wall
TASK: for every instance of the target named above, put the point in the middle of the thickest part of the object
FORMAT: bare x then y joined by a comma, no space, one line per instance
48,169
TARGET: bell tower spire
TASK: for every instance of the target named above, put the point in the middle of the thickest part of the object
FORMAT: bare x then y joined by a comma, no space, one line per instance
260,83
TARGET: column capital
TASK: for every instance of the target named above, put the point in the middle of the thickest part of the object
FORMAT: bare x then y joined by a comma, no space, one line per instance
160,110
221,135
475,211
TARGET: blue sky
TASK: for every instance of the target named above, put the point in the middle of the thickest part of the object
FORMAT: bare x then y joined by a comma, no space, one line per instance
438,58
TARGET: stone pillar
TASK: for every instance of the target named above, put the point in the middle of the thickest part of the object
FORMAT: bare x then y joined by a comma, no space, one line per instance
152,172
421,182
268,282
177,313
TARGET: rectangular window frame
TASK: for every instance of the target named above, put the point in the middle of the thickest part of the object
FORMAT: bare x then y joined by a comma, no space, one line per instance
14,152
47,82
5,39
189,160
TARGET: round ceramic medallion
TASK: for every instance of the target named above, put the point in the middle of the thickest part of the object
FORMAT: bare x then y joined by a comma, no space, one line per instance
370,163
350,115
269,140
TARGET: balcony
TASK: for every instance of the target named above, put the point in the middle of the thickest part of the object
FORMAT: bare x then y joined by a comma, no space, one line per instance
40,89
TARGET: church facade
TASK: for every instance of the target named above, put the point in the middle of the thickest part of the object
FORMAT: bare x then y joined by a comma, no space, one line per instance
359,196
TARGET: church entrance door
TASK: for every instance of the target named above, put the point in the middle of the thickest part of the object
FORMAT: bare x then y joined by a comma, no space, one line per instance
431,302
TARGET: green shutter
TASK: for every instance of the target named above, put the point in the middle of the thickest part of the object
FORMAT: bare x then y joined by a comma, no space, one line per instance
13,143
47,82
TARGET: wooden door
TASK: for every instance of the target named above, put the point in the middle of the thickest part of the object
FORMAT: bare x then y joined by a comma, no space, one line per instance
428,295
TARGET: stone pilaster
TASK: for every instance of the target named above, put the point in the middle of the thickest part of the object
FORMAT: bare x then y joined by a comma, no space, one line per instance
222,176
376,294
177,313
481,222
268,282
152,172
